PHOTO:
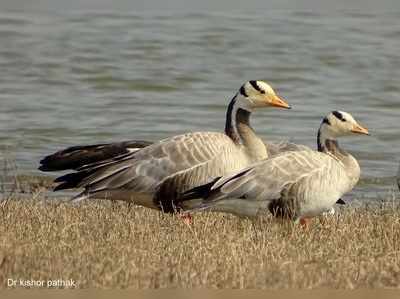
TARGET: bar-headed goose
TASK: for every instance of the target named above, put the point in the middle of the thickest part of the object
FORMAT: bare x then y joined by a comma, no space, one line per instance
296,185
155,174
76,157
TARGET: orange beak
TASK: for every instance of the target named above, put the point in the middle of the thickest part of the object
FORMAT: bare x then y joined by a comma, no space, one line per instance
279,102
359,130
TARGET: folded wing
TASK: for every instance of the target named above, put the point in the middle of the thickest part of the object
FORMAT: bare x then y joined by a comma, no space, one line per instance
269,179
142,171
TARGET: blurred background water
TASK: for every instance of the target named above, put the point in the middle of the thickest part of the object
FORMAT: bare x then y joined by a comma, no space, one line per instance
71,77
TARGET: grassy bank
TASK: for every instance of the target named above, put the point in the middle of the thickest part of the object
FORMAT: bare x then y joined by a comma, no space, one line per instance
109,245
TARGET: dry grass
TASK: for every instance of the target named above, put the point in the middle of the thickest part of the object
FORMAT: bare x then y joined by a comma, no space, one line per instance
114,245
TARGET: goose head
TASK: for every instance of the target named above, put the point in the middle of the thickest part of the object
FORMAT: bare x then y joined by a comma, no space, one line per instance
258,94
338,123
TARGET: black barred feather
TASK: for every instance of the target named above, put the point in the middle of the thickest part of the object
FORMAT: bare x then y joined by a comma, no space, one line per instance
202,191
340,202
70,180
207,190
76,157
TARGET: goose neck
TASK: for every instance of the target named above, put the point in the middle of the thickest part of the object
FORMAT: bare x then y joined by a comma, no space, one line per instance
238,128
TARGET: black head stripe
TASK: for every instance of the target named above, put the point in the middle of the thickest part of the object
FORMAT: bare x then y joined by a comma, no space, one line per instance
255,86
338,115
326,121
243,91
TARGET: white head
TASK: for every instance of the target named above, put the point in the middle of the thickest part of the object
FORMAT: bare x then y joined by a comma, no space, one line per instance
339,123
257,94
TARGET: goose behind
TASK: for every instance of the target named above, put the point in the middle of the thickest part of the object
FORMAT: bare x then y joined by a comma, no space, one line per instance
155,174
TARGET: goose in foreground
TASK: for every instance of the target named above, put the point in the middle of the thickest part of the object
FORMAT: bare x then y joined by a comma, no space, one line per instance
155,174
297,185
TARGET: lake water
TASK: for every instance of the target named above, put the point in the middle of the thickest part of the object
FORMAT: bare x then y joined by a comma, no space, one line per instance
72,78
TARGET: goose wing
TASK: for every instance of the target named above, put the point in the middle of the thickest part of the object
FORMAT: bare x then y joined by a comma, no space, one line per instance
143,170
268,179
284,146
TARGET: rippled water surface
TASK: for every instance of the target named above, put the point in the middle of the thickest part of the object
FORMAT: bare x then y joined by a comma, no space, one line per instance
82,77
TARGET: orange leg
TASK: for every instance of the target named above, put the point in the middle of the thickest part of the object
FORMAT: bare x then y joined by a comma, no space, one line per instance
305,222
187,218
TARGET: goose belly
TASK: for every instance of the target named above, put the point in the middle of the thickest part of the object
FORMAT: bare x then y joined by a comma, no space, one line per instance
141,199
241,207
316,202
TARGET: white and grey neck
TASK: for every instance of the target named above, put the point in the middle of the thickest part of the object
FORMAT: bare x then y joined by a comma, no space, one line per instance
237,120
328,143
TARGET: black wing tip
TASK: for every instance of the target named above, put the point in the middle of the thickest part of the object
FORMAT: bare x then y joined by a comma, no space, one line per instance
62,178
53,162
137,143
46,168
340,202
71,180
65,184
202,191
45,164
190,194
62,186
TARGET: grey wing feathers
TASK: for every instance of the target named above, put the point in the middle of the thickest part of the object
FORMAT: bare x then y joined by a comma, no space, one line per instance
77,157
284,146
143,170
269,178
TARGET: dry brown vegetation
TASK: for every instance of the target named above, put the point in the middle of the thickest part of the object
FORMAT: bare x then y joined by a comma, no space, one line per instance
116,245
